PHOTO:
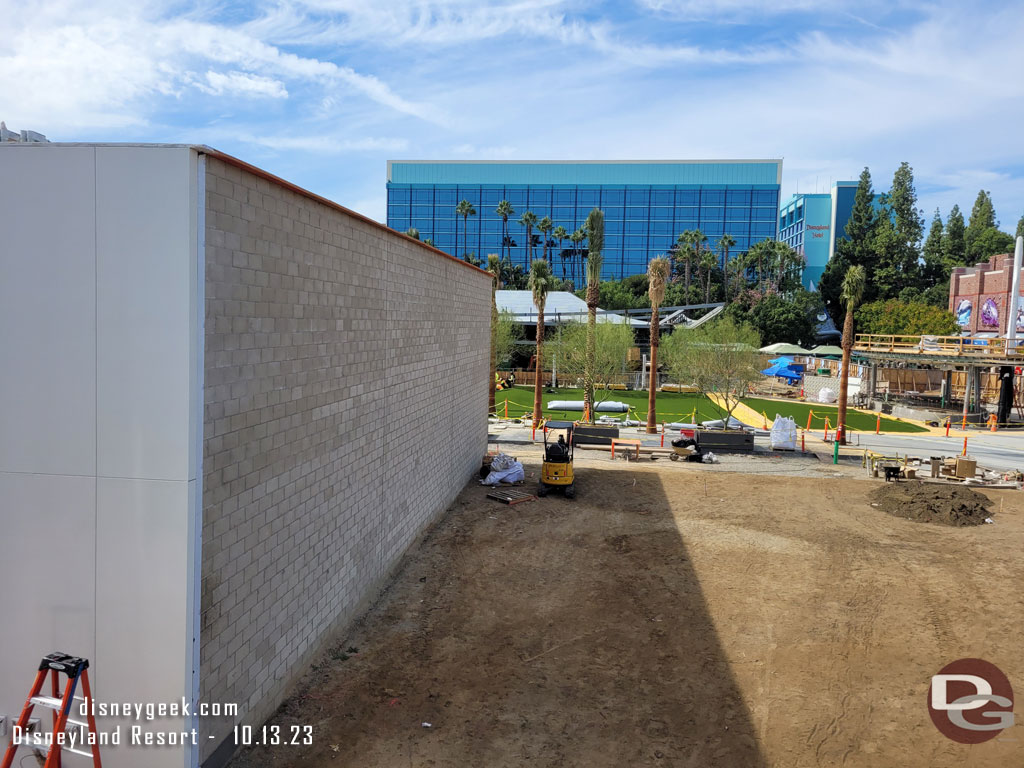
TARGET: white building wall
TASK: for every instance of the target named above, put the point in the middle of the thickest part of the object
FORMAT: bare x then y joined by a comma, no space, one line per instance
97,291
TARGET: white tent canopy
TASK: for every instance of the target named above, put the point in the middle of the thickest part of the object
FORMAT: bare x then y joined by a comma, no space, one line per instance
781,348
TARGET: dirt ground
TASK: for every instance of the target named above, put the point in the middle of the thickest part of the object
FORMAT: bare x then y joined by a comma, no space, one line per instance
672,616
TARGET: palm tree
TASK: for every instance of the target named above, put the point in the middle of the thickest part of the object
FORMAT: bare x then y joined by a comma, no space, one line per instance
725,242
544,226
760,252
413,233
657,275
541,281
708,261
505,210
529,220
684,253
575,238
494,267
852,293
595,244
464,209
560,234
581,235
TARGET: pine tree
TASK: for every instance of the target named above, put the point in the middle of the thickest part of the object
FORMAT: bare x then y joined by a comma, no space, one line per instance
856,248
898,238
935,269
983,217
953,245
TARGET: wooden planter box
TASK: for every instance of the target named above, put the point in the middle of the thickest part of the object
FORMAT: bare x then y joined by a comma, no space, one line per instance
726,441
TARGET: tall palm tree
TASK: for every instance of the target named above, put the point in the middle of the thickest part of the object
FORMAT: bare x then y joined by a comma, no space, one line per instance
709,262
684,253
529,220
560,235
760,253
657,275
852,293
541,281
464,209
494,267
699,244
725,242
505,210
576,238
544,226
595,244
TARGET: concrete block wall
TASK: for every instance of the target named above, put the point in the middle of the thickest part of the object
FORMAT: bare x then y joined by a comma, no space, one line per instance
346,382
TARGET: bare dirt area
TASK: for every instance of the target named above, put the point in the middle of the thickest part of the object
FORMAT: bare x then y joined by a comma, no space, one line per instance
671,616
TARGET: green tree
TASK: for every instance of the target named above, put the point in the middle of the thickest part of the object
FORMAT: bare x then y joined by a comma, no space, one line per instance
560,234
541,281
853,291
708,261
1020,228
720,357
505,210
595,259
983,217
612,342
657,276
934,253
529,220
413,233
856,248
954,247
777,318
464,209
897,237
761,255
899,318
544,226
576,238
992,241
725,242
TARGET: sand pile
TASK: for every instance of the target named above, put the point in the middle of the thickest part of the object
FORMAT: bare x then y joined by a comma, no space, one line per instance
944,504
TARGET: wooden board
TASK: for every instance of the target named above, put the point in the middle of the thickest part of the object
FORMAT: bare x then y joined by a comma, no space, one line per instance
510,496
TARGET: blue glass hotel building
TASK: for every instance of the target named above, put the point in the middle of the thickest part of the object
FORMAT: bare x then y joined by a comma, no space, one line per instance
646,204
811,224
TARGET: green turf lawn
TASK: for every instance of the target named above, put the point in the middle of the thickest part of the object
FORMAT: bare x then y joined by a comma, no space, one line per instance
855,420
679,407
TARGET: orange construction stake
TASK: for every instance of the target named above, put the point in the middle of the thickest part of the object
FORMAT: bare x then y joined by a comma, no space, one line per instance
803,447
992,425
878,424
506,409
809,415
826,429
948,422
964,453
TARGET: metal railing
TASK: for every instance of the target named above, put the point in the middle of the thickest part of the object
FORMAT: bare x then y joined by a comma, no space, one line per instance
957,346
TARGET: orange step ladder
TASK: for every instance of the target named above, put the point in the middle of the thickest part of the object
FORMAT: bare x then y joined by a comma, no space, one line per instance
60,702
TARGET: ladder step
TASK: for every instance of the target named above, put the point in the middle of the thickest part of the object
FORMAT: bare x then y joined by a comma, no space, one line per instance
51,702
79,723
47,701
77,751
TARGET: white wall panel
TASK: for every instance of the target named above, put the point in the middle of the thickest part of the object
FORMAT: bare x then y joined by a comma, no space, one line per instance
141,587
47,573
143,244
47,310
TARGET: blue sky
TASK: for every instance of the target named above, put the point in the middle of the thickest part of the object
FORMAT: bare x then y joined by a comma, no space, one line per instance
323,92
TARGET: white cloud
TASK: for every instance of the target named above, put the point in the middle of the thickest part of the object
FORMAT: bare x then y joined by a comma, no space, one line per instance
243,84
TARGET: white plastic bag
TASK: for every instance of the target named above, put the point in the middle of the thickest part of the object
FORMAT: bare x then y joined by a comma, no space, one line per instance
513,474
826,395
783,434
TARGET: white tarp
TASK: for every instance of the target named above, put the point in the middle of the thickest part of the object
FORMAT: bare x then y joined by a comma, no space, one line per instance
783,435
504,469
826,395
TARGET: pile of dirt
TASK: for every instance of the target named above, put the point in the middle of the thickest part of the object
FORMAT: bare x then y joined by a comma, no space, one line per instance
927,503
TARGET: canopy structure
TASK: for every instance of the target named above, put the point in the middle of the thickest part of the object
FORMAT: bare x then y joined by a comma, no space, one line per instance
781,348
781,361
826,350
782,370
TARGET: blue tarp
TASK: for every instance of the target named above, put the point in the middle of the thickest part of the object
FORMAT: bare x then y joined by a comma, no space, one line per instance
783,371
